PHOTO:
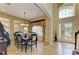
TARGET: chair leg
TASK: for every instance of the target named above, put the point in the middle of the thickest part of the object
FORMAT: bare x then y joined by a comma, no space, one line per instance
17,45
36,45
31,48
25,48
21,47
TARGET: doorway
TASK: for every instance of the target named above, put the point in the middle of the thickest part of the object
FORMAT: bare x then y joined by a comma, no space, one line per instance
39,31
65,32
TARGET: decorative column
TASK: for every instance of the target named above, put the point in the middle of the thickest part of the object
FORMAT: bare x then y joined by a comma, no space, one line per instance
53,23
11,29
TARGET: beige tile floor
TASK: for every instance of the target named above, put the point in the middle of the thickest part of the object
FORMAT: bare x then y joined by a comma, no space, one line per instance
43,48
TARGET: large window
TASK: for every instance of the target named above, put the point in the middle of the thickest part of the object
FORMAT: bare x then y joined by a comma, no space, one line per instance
16,26
66,10
38,30
5,23
26,29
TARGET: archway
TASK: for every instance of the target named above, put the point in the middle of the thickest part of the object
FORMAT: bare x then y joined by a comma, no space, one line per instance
39,31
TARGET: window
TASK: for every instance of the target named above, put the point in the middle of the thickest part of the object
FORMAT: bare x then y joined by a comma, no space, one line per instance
16,26
38,30
25,29
66,10
68,30
5,23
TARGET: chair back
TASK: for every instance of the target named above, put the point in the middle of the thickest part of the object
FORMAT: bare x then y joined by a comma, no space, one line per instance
17,37
34,37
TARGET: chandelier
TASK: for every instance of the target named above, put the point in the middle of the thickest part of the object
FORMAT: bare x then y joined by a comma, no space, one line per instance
24,24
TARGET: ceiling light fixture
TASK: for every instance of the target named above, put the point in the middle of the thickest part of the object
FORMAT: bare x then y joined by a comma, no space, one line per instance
24,24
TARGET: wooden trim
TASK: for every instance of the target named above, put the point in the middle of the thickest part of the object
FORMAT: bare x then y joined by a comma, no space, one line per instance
37,21
76,34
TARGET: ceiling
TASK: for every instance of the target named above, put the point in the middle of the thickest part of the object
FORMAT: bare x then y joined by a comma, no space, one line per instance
18,9
33,11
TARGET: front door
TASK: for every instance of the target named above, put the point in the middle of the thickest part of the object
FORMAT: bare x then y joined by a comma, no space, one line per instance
65,32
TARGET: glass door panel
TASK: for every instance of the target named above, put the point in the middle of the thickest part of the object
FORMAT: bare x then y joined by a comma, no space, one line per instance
65,32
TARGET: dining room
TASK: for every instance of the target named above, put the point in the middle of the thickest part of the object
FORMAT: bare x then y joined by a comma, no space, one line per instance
30,28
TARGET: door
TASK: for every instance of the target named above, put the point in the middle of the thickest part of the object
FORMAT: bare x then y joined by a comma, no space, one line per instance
65,32
39,31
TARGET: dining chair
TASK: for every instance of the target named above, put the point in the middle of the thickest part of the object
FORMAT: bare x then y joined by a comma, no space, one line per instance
16,40
32,40
20,41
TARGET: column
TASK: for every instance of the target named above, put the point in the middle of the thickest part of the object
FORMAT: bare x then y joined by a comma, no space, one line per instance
53,28
11,29
47,30
53,23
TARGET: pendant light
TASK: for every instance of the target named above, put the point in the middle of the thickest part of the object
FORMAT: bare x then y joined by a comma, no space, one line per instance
24,24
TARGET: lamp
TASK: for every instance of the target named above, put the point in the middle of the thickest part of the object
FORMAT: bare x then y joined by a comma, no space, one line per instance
24,24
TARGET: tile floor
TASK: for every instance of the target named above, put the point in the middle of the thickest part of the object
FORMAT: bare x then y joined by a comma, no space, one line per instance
43,48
